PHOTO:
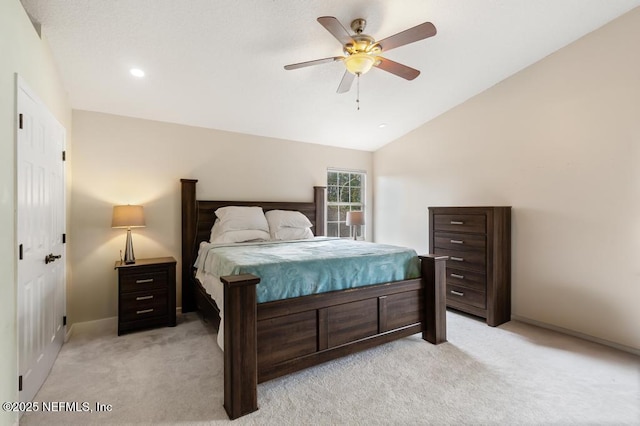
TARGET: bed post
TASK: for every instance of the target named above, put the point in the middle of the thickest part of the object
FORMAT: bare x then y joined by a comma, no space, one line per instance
240,345
320,200
434,278
189,225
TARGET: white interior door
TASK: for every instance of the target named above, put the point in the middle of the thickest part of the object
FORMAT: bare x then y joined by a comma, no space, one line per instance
41,225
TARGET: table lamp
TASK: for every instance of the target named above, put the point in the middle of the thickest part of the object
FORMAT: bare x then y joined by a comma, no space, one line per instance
128,217
355,218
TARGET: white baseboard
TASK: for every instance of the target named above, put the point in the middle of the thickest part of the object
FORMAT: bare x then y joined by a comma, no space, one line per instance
98,325
573,333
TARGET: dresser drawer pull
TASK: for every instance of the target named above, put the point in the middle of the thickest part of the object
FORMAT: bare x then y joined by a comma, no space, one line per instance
144,297
457,259
148,280
457,293
457,242
146,311
461,277
457,222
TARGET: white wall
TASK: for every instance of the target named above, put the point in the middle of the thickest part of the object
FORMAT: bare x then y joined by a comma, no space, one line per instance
560,142
23,53
119,160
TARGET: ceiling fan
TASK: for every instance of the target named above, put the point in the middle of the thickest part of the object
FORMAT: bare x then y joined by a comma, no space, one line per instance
362,52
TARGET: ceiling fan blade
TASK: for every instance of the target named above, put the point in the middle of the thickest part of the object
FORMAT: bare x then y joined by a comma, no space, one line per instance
400,70
347,81
336,29
310,63
416,33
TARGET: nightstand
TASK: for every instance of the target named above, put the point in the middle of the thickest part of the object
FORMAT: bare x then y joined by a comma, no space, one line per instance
146,294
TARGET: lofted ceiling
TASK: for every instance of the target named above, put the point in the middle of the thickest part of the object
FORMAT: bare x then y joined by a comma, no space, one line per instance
219,64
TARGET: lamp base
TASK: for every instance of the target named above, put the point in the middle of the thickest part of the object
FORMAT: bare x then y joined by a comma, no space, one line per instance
129,257
354,232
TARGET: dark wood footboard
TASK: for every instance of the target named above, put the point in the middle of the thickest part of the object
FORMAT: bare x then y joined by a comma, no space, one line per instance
267,340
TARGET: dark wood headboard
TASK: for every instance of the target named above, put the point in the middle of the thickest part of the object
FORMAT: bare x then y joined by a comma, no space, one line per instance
198,217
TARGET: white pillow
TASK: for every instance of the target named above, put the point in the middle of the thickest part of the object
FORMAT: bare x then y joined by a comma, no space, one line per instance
288,225
239,236
287,219
238,218
292,234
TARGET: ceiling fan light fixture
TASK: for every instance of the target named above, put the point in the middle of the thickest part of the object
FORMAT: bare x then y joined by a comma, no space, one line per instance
359,63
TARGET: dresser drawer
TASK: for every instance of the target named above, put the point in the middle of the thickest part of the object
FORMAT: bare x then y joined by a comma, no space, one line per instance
453,241
469,279
472,223
465,295
467,260
142,280
144,304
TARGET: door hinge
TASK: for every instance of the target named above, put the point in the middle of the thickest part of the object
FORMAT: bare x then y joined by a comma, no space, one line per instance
64,238
64,320
64,155
20,121
20,252
19,383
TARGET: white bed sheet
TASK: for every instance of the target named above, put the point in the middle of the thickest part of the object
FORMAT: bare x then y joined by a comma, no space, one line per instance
213,287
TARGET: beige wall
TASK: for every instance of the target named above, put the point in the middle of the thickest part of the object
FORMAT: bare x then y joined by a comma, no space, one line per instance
23,53
560,142
119,160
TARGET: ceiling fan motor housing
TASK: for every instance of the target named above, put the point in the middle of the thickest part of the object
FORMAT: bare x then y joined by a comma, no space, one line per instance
361,55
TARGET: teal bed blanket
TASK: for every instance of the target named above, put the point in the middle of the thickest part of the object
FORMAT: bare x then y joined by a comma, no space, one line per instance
304,267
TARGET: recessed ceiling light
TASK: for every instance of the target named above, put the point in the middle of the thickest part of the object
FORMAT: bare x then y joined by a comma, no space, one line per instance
136,72
382,125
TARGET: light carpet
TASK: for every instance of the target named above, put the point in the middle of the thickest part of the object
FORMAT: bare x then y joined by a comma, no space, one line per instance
512,374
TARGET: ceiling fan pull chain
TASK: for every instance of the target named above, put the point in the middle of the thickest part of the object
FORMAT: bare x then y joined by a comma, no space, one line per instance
358,91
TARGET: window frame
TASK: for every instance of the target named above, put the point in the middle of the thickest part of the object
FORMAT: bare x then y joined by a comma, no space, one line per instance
344,206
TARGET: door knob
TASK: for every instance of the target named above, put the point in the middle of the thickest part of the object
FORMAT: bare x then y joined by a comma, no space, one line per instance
51,258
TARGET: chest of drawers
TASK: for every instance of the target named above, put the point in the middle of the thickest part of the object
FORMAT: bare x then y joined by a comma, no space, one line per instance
478,243
146,294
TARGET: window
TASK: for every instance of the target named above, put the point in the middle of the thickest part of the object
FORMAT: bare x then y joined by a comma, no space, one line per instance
345,192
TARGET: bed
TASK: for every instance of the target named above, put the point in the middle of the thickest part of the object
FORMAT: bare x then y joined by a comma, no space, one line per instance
266,340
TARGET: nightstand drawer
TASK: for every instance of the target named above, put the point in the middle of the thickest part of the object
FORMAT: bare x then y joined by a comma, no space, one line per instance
146,294
466,295
473,223
467,260
469,279
453,241
142,280
144,304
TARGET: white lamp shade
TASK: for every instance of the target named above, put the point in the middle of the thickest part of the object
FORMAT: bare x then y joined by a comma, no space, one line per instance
128,217
359,63
355,218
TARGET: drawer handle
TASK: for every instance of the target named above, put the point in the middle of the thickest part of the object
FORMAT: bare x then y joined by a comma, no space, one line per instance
144,297
148,280
457,222
457,293
457,259
146,311
461,277
457,242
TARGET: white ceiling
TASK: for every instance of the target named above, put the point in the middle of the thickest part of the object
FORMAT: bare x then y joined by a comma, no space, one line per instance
219,64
